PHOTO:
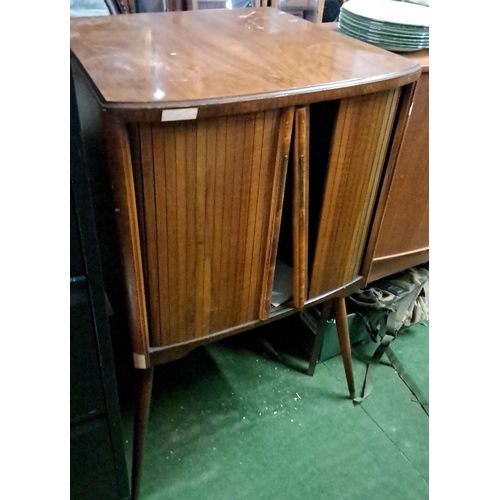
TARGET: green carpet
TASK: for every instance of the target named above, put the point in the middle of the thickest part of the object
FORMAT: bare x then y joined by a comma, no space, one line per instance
228,422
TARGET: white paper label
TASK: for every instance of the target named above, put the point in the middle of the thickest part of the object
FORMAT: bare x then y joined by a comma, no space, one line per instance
174,115
139,360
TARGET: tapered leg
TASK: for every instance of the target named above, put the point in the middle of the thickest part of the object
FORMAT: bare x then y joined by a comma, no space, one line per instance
142,403
344,341
318,340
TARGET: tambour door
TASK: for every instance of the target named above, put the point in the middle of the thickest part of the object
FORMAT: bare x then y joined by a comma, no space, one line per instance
208,195
348,145
402,240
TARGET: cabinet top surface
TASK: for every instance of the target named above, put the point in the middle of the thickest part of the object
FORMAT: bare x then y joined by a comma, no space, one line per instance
219,56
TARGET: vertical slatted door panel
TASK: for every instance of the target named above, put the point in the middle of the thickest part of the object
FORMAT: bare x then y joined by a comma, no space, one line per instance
300,205
209,191
277,183
360,141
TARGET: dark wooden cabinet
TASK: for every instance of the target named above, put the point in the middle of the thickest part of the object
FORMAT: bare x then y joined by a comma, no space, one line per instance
98,469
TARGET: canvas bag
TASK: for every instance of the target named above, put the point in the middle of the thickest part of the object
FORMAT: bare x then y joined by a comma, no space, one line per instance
388,306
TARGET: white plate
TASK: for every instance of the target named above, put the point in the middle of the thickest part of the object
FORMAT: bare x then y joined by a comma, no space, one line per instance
400,49
389,11
354,25
385,42
405,29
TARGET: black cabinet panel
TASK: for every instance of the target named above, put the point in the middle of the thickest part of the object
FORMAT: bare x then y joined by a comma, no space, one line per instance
98,468
87,396
93,474
76,263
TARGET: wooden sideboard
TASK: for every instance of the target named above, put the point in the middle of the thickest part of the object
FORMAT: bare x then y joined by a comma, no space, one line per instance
236,140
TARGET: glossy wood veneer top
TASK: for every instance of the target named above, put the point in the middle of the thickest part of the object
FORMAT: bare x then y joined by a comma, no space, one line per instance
419,56
179,59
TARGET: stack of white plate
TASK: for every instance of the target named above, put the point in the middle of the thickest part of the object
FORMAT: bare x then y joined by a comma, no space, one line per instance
392,25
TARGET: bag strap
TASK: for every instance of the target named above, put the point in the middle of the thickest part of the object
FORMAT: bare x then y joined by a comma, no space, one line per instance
406,378
374,360
394,322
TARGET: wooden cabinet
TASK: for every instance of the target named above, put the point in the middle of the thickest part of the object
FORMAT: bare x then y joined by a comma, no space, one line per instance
235,140
400,235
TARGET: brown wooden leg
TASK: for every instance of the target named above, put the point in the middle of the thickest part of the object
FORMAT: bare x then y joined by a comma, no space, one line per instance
344,341
142,403
318,340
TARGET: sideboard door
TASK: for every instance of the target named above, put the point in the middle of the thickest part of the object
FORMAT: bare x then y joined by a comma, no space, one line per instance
361,132
209,194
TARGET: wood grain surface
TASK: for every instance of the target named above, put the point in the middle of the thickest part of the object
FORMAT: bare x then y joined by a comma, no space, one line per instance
400,232
360,141
405,226
209,194
300,206
122,178
205,58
